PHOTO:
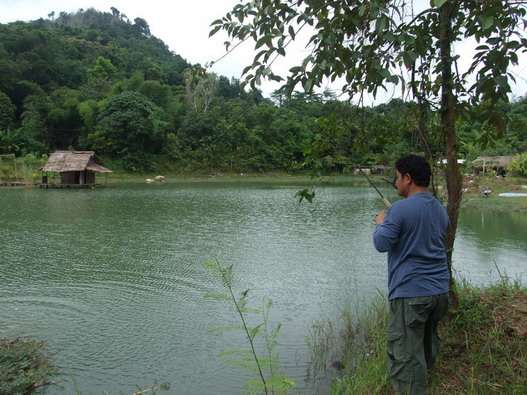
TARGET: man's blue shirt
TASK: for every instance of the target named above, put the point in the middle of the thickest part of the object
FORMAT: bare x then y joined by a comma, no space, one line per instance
413,233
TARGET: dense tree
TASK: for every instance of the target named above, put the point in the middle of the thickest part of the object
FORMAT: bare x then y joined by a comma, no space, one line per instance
228,89
131,120
63,119
103,69
89,112
9,71
158,93
95,89
34,122
10,142
201,88
195,126
142,26
516,138
7,111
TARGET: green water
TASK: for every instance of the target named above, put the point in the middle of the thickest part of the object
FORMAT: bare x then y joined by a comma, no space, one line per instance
111,277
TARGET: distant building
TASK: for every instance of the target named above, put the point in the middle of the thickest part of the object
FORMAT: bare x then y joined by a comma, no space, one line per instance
76,168
497,163
445,161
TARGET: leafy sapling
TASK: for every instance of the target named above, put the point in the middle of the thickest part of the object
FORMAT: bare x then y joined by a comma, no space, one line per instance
265,364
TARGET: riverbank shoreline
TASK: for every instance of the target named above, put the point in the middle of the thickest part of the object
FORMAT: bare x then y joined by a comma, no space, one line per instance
484,193
473,186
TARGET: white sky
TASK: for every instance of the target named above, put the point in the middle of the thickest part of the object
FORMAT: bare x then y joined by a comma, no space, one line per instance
184,26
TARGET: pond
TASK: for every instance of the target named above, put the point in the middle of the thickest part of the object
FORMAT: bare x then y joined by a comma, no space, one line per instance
111,277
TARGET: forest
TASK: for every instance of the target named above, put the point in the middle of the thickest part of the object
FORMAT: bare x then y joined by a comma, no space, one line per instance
93,80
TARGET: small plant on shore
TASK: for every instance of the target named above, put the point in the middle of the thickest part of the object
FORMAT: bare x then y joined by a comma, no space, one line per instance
24,366
360,346
266,367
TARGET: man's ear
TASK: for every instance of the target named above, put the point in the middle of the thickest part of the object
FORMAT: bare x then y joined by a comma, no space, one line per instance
408,179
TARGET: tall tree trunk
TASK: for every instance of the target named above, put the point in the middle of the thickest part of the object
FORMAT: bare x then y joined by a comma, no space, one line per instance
448,122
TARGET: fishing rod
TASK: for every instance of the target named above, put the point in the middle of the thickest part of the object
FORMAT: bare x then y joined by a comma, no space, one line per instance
386,201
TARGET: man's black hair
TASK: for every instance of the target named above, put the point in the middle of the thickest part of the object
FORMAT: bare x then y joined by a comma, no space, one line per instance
417,166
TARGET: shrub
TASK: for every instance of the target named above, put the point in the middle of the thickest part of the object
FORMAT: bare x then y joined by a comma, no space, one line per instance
518,165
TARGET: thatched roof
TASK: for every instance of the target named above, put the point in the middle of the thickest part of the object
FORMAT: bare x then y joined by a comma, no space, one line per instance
61,161
492,161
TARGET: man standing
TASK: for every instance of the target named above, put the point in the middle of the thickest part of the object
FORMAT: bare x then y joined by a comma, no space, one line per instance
413,232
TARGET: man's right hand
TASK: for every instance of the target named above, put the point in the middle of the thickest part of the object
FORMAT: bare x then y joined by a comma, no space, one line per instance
379,217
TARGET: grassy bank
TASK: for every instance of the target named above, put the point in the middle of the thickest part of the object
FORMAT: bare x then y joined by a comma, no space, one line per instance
24,366
25,169
472,196
484,347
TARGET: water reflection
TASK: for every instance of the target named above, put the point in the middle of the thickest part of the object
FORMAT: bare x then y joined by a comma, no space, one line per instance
490,243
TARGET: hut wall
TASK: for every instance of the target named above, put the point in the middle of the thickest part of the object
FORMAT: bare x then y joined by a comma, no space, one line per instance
68,177
77,177
89,177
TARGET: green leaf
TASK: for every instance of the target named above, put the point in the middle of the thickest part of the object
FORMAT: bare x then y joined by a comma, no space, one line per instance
253,387
251,310
214,31
261,42
439,3
211,265
236,362
217,296
281,382
386,74
307,84
246,70
409,58
292,32
487,21
362,9
381,24
305,194
253,332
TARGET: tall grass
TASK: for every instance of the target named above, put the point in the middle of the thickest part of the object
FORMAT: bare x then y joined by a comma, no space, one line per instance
24,366
24,169
484,347
363,355
485,342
